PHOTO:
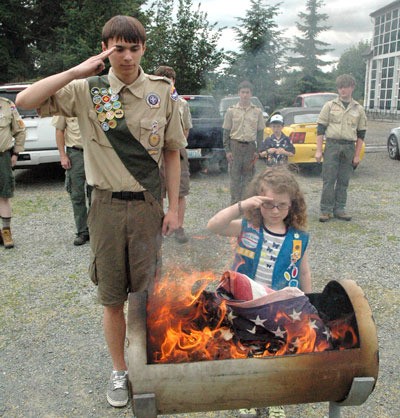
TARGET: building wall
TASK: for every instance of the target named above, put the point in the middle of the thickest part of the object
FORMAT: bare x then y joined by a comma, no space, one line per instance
383,66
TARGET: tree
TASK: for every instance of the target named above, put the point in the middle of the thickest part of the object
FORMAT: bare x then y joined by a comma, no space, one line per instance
353,61
16,62
187,43
260,56
308,49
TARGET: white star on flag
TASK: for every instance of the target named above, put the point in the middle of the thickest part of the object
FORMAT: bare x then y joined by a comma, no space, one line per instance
252,331
258,321
279,332
231,316
295,315
312,324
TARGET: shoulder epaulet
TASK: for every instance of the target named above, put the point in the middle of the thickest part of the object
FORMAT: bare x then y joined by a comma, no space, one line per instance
158,78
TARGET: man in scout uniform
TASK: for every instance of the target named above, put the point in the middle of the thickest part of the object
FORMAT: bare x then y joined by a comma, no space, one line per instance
343,123
243,129
186,120
12,141
69,144
129,123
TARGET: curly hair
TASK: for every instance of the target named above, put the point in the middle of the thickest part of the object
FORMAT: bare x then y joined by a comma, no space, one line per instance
279,180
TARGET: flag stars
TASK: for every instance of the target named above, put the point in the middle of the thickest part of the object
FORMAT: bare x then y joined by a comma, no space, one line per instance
252,331
312,324
295,315
279,332
327,333
231,316
258,321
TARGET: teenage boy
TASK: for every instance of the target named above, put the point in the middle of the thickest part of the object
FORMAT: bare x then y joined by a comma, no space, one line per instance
243,129
129,123
343,123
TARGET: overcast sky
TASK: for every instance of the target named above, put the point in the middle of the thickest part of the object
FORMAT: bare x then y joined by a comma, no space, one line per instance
349,20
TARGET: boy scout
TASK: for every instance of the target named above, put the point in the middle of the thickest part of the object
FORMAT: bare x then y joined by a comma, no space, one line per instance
12,129
69,144
129,122
343,122
243,129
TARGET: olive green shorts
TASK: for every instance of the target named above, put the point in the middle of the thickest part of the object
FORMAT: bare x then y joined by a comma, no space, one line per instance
125,239
7,180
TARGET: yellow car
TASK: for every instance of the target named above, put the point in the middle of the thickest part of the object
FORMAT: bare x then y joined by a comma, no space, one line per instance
300,125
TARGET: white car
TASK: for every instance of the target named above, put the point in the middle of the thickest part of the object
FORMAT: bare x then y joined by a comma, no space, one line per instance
393,144
40,143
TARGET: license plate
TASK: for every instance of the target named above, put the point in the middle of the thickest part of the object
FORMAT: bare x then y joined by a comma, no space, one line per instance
194,153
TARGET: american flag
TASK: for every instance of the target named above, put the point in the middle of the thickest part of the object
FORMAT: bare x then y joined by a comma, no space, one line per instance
279,322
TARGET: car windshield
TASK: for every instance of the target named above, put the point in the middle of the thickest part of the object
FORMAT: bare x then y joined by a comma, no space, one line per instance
305,118
318,100
202,109
24,113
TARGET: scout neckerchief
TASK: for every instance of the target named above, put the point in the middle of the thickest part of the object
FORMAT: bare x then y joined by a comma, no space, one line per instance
132,153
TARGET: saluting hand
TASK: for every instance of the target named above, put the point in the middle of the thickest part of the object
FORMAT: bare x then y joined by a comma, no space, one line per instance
92,66
254,202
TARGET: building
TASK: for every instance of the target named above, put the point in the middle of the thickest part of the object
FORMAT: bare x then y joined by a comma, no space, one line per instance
382,83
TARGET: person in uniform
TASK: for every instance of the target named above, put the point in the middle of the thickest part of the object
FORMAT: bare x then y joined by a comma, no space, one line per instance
243,129
184,186
12,141
344,124
69,144
129,123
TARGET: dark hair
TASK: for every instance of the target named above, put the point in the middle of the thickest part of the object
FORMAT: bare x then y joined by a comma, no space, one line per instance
165,71
345,80
245,85
127,28
280,180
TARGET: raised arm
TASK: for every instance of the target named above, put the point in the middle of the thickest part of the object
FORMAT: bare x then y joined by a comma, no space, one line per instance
33,96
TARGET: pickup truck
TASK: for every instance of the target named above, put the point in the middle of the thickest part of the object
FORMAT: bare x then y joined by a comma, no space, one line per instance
40,143
205,145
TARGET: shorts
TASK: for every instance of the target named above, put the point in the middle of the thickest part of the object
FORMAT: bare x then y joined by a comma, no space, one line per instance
125,239
184,184
7,180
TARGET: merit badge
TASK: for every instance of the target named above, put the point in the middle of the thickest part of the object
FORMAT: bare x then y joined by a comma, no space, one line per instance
101,117
95,91
96,99
105,98
114,97
119,113
112,123
98,108
105,126
153,100
103,91
110,115
116,104
107,106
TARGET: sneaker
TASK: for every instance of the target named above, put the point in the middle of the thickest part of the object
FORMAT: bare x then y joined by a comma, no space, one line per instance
180,236
324,217
117,393
276,412
6,237
81,239
343,216
248,413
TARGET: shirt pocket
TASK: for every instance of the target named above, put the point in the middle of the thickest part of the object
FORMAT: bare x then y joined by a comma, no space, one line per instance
152,132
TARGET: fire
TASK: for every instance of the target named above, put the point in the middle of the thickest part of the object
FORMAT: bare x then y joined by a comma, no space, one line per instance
185,324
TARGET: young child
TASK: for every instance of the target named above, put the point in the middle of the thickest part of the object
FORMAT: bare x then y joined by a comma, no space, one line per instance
272,242
277,148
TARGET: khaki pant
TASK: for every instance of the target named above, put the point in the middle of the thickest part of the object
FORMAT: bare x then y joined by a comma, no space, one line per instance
125,239
337,169
241,169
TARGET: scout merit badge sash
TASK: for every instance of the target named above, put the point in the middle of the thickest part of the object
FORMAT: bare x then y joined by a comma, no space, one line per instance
132,153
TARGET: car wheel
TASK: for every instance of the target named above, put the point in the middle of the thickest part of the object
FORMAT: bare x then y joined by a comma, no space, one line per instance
393,147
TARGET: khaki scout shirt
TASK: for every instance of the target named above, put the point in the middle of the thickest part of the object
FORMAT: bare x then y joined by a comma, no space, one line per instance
12,127
70,127
244,123
149,111
186,117
341,122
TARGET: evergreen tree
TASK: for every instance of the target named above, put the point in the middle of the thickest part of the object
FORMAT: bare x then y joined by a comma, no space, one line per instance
308,49
188,43
353,61
260,57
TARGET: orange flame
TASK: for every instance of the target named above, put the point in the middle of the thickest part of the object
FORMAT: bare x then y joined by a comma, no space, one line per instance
183,326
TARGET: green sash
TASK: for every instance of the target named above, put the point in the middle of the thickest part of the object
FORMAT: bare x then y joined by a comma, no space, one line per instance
132,153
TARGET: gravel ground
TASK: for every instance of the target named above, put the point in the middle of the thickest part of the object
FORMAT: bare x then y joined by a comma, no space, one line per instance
53,359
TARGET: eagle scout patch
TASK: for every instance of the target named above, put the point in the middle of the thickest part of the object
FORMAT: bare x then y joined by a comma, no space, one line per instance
153,100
